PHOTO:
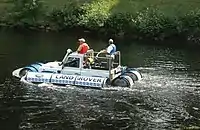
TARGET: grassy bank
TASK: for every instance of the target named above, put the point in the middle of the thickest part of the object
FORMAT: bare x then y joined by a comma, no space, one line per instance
155,19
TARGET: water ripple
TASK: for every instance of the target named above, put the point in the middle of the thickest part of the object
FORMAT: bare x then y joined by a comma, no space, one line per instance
164,99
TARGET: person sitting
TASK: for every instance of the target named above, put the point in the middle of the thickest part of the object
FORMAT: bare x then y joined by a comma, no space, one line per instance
88,61
83,47
111,49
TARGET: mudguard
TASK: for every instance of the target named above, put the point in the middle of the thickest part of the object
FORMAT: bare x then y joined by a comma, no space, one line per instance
33,67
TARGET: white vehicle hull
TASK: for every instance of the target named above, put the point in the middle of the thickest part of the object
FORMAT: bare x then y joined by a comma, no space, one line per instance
36,78
56,73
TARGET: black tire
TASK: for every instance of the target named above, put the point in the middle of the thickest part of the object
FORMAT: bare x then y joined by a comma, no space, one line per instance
132,75
23,72
121,82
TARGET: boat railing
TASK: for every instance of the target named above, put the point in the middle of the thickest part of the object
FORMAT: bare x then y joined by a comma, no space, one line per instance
116,57
105,61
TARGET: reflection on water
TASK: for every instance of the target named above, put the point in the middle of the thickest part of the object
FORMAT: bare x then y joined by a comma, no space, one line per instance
167,98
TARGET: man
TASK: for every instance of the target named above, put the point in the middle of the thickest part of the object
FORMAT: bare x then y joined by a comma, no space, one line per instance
111,49
83,47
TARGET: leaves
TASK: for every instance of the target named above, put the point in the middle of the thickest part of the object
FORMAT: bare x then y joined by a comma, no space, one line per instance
25,12
96,15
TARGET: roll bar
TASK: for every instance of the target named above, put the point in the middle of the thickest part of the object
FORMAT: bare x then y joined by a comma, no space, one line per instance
108,58
91,53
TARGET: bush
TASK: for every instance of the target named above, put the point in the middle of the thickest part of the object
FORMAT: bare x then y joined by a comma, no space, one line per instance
68,17
25,12
96,13
119,23
190,25
97,16
151,23
190,22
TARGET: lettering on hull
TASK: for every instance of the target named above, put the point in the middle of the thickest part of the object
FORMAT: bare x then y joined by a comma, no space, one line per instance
65,77
89,79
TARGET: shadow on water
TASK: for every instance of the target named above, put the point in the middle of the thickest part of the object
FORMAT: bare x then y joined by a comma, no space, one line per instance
167,97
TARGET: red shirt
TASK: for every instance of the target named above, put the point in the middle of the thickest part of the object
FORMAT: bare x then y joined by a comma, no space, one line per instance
84,48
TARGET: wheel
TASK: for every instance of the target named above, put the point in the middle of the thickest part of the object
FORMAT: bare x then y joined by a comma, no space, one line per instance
121,82
23,72
132,75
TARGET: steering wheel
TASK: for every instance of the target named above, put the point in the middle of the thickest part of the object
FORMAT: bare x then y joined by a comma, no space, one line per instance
97,55
72,63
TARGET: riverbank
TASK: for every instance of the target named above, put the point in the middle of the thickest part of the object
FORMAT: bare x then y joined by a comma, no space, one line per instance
155,20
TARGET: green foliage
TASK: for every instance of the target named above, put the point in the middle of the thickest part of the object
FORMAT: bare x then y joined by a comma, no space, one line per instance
102,16
68,17
25,12
152,23
119,23
97,12
190,25
191,21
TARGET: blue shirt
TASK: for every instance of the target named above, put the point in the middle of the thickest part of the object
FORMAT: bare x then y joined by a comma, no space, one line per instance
111,49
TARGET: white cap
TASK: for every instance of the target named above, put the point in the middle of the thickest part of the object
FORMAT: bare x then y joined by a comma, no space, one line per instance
110,41
81,40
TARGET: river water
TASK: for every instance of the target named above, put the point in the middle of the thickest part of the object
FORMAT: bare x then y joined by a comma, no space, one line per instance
168,97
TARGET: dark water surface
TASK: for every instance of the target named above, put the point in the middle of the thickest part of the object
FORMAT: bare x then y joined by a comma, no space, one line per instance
167,98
